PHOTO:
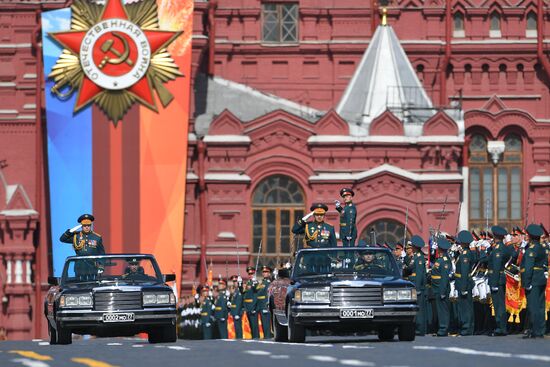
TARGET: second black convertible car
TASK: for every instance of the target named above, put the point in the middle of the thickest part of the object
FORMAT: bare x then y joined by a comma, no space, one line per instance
111,295
354,289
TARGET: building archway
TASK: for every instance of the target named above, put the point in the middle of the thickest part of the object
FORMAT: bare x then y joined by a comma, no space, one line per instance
384,231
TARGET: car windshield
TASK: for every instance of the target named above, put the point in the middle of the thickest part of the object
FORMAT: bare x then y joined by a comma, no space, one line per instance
111,269
369,262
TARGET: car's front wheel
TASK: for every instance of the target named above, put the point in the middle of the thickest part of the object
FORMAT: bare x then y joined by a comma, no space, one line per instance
166,334
296,333
280,333
64,335
386,333
406,332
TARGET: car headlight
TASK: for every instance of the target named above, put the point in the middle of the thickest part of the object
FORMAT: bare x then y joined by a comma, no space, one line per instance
76,300
312,296
158,299
399,295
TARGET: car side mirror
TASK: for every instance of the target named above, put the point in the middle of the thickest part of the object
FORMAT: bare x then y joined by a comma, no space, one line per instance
53,281
169,277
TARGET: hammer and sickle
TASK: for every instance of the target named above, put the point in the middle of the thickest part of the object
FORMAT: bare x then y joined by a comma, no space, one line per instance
107,46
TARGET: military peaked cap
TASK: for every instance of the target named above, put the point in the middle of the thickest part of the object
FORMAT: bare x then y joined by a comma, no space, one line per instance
443,243
464,237
250,269
346,190
86,219
417,241
534,230
498,231
266,268
319,208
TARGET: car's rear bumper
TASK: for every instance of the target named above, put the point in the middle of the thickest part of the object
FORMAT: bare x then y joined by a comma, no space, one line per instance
94,319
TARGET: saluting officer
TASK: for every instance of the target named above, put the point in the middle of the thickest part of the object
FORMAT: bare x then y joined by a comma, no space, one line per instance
464,284
417,270
250,300
236,306
220,309
317,233
534,281
441,285
348,215
496,261
262,306
206,313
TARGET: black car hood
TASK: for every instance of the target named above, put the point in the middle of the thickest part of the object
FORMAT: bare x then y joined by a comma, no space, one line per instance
351,281
109,287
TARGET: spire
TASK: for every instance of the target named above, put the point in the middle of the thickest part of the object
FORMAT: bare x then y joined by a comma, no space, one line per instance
384,79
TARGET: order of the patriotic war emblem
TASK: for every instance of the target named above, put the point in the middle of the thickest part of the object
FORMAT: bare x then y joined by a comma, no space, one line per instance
114,55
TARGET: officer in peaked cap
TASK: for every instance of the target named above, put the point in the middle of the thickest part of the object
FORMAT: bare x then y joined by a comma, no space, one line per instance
250,300
317,233
464,283
206,313
348,216
417,270
441,285
534,280
496,261
262,306
220,309
236,306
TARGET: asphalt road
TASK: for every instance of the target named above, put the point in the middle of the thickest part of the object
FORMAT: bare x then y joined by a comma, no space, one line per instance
317,351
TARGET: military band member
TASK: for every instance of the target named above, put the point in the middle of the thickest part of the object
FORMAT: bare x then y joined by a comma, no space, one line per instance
317,233
496,261
441,285
534,281
262,306
348,216
250,300
236,306
206,313
417,275
220,309
464,284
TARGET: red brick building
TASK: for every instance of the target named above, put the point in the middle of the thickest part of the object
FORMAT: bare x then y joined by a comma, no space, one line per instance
280,121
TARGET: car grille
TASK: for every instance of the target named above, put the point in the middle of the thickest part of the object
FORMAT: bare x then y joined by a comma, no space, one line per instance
115,301
356,296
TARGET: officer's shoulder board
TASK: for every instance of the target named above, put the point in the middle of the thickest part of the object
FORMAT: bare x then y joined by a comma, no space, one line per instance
97,234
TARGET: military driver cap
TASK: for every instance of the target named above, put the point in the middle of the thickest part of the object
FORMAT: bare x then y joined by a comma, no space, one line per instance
319,208
417,241
86,219
534,230
498,231
464,237
250,269
443,243
346,190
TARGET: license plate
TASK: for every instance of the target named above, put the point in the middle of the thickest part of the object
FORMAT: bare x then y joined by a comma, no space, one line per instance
367,313
118,317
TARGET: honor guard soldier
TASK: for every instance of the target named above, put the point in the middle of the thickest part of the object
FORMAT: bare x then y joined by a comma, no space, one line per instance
534,281
496,261
348,215
464,284
441,285
417,270
250,300
220,309
317,233
206,313
262,305
236,306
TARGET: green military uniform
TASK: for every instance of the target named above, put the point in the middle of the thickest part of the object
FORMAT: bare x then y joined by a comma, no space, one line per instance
221,313
534,281
496,261
206,317
417,275
236,310
348,216
441,286
464,284
262,305
317,234
249,301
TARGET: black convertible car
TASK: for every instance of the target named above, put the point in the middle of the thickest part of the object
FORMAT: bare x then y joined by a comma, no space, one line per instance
357,289
111,295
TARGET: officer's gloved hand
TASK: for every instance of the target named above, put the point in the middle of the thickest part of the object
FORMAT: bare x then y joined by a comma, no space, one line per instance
227,293
75,228
208,324
229,304
465,293
237,317
197,296
338,205
529,288
307,216
442,296
494,289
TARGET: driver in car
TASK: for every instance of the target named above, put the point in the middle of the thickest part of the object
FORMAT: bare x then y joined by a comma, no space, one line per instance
367,261
133,270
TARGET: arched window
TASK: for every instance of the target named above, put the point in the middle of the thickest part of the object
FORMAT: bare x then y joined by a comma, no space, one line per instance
494,27
531,27
458,25
495,189
276,204
384,231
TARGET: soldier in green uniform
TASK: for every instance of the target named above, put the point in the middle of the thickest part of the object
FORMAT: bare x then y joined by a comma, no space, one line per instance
236,305
250,300
85,243
464,284
348,215
206,313
220,309
417,275
441,285
317,233
496,261
262,306
534,281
